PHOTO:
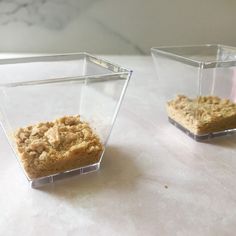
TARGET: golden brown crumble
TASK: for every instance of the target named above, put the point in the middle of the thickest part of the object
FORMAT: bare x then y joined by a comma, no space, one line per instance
204,114
51,147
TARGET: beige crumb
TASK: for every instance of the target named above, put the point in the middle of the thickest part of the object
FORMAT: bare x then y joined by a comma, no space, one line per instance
52,147
204,114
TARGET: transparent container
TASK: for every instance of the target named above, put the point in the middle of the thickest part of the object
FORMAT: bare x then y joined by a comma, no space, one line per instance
36,91
198,84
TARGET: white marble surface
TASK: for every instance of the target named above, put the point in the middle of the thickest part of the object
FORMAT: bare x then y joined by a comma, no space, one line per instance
154,180
111,26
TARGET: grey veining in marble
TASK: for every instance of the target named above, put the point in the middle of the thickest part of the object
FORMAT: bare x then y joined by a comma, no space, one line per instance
54,14
111,26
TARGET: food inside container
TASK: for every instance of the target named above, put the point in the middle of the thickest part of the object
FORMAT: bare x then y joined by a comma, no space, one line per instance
51,147
202,115
198,86
58,111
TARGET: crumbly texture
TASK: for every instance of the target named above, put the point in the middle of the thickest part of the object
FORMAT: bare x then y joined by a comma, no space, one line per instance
64,144
204,114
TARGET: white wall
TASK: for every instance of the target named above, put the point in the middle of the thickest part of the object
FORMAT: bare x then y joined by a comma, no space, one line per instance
113,26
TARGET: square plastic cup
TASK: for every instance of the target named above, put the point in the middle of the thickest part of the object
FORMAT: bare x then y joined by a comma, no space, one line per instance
41,89
198,84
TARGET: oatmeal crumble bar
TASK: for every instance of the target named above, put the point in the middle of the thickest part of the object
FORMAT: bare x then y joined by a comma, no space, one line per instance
52,147
204,114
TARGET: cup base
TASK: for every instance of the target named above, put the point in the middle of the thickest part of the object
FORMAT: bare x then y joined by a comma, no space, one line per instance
37,183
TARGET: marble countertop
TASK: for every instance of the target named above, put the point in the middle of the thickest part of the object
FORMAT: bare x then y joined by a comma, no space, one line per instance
154,180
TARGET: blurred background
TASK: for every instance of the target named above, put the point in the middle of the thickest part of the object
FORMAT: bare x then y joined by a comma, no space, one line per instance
113,26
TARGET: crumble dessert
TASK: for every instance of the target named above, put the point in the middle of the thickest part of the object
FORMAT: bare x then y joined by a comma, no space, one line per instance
51,147
204,114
